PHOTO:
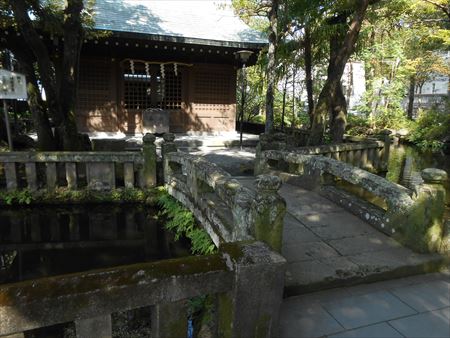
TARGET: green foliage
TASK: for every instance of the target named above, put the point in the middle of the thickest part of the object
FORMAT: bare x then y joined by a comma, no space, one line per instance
430,129
358,125
390,118
64,195
16,197
182,222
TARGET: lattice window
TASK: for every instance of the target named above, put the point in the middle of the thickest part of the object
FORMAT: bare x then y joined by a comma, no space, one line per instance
94,85
172,91
212,88
144,89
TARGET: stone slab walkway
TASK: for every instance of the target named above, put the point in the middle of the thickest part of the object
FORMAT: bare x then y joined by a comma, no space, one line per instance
411,307
326,246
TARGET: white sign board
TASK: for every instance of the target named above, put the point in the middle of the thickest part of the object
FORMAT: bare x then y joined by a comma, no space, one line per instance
12,85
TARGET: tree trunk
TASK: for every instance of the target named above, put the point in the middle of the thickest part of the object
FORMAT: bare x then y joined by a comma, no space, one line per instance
338,115
37,107
271,63
39,49
284,102
41,122
60,86
308,73
330,91
411,93
294,73
72,46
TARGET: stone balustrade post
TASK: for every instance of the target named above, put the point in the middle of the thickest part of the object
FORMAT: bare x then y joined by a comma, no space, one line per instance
169,320
268,209
386,149
149,154
273,141
420,226
94,327
431,204
261,163
251,308
168,146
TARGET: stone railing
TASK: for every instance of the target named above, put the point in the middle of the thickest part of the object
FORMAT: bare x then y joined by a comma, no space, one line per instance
368,154
236,276
228,210
95,170
415,218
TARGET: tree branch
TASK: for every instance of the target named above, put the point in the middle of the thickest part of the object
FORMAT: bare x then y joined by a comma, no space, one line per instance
442,7
38,48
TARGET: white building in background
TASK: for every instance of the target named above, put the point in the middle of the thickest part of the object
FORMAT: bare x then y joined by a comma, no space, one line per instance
354,84
434,92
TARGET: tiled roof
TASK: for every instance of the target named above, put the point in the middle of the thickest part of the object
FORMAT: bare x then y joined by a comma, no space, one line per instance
189,20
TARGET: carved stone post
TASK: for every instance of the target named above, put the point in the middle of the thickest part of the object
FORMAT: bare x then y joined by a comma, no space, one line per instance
268,209
276,141
261,165
149,153
168,146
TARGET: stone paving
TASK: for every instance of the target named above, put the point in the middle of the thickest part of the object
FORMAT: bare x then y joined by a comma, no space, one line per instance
326,246
411,307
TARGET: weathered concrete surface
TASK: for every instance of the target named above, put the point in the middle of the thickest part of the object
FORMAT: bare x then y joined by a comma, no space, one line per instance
326,246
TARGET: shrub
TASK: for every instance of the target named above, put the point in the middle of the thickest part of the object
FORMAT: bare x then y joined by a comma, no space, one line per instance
430,129
182,222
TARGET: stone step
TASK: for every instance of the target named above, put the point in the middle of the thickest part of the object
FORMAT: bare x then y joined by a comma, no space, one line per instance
322,275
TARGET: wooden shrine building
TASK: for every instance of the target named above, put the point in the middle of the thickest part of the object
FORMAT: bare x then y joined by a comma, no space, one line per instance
162,66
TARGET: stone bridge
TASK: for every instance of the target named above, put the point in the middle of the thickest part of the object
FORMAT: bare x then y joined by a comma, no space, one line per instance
330,236
327,235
